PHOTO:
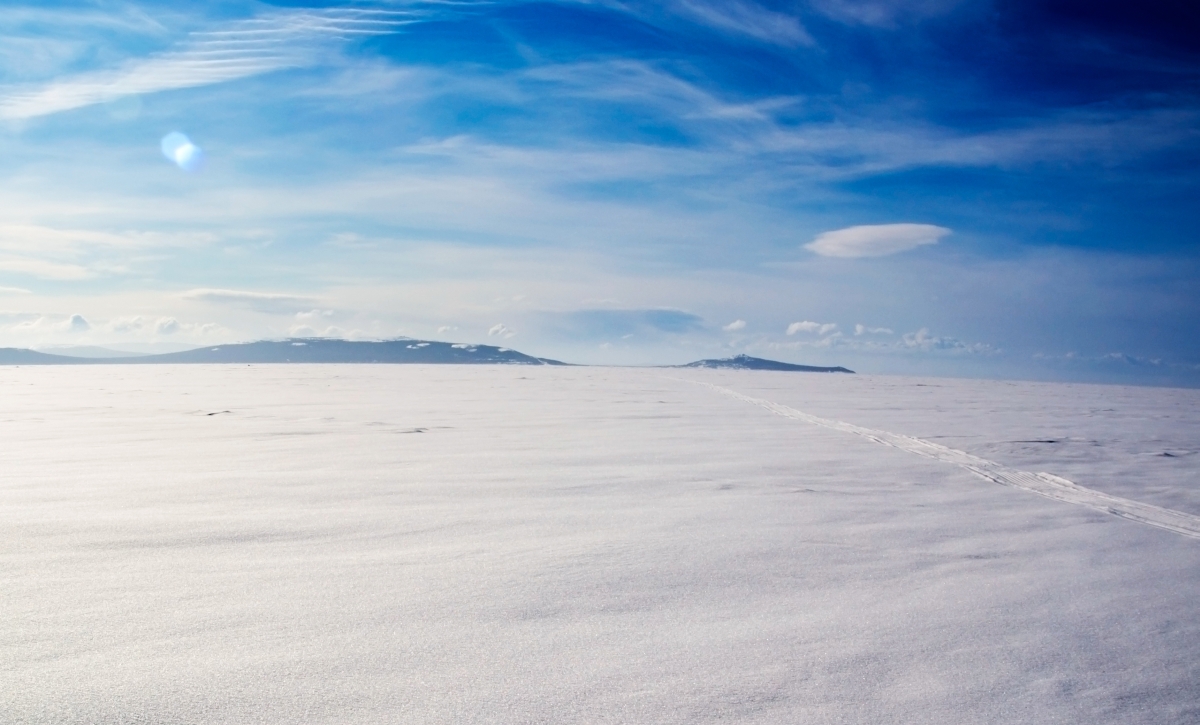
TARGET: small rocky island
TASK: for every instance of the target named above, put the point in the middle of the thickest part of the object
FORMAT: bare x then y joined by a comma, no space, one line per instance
745,362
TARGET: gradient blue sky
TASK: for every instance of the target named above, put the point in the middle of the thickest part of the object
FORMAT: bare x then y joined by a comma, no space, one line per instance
1004,188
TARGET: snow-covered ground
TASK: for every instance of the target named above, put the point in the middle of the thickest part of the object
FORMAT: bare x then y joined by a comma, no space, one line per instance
411,544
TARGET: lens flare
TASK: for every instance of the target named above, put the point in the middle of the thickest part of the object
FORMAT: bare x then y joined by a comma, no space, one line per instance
180,150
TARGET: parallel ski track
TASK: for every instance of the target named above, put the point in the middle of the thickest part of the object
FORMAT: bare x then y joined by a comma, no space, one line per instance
1044,484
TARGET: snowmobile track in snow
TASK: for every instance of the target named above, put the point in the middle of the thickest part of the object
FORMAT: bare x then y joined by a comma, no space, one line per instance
1045,484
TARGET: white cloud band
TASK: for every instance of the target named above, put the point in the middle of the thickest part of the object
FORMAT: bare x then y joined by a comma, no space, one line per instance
246,48
875,240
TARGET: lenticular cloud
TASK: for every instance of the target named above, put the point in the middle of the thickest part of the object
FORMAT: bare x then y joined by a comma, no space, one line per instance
180,150
875,240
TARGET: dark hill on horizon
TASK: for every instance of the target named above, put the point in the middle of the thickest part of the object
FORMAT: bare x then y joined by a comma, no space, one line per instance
22,356
745,362
321,350
302,350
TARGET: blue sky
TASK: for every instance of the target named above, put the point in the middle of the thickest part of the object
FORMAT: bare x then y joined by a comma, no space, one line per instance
1001,188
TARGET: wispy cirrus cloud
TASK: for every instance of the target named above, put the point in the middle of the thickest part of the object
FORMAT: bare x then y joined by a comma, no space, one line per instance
882,13
244,48
725,131
748,19
66,254
44,269
269,302
30,238
743,19
122,17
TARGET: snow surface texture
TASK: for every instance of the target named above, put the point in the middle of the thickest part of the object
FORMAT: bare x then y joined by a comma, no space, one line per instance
1045,484
395,544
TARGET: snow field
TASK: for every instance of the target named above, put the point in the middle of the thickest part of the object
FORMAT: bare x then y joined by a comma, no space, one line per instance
394,544
1041,483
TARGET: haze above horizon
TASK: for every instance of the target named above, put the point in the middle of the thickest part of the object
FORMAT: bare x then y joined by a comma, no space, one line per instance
938,187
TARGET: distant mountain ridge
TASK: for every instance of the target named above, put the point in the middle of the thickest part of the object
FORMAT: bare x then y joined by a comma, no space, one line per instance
22,356
303,350
745,362
91,351
325,350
